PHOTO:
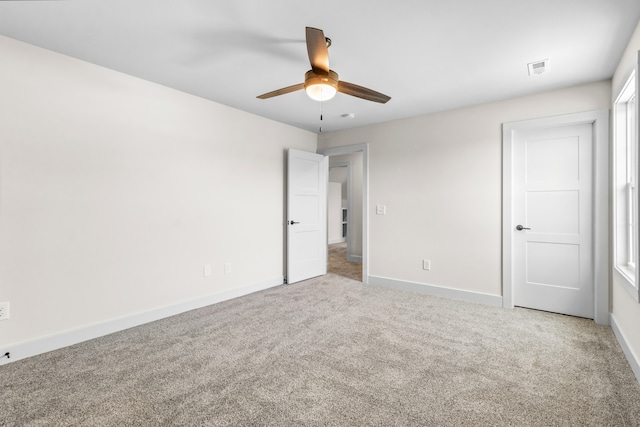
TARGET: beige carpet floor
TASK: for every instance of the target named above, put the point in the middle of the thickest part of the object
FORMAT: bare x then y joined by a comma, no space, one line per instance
332,352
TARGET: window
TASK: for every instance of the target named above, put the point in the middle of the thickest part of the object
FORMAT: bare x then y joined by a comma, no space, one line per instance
625,116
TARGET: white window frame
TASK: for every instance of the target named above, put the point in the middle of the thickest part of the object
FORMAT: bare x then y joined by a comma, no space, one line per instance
626,218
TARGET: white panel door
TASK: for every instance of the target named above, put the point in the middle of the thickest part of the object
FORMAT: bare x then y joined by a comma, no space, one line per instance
552,220
306,215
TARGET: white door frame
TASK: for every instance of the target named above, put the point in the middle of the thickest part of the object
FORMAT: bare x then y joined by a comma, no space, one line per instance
600,121
348,149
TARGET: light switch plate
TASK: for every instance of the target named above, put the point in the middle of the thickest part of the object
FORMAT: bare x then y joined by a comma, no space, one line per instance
381,210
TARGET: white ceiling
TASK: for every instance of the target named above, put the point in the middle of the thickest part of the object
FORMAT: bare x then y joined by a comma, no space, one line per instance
428,55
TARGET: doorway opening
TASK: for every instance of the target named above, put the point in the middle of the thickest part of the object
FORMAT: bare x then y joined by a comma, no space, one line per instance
347,213
341,259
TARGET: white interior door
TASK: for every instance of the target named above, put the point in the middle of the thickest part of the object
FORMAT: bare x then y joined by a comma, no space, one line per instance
306,215
552,220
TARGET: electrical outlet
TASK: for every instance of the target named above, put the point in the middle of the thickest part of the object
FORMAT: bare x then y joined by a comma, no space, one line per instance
207,270
227,267
4,310
381,210
426,264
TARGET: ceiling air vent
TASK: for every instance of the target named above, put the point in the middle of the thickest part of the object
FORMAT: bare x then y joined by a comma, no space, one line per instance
538,67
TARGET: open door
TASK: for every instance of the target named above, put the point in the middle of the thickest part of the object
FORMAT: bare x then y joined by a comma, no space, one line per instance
306,215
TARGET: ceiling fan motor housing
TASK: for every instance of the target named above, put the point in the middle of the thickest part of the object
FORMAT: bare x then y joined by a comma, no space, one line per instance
321,86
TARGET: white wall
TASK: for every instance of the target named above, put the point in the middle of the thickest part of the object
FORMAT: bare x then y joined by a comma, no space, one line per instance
339,174
625,311
115,192
440,177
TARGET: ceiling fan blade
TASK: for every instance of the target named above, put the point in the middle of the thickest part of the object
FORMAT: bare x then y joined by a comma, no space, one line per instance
317,50
281,91
362,92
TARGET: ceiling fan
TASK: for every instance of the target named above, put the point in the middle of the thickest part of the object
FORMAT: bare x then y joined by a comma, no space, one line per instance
321,83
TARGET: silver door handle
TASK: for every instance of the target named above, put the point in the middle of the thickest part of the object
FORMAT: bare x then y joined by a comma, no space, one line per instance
520,228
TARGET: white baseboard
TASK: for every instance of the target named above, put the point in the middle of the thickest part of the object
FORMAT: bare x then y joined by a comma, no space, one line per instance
438,291
338,240
64,339
354,258
632,358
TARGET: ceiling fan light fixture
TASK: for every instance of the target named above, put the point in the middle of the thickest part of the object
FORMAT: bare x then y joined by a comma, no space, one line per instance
321,87
321,92
320,82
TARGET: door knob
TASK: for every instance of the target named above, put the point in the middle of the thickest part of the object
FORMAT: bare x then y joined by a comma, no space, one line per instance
293,222
520,228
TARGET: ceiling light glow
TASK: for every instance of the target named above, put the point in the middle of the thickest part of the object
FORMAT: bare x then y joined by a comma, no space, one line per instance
320,91
321,87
